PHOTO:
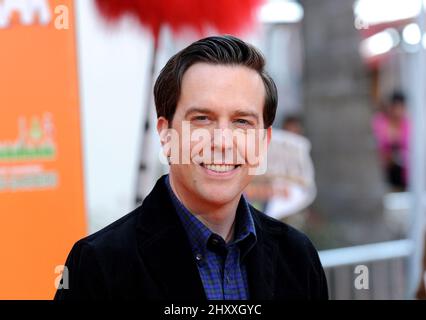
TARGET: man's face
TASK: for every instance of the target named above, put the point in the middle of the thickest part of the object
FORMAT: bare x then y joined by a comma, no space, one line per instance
226,102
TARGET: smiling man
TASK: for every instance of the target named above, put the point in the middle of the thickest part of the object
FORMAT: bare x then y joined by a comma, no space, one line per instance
195,237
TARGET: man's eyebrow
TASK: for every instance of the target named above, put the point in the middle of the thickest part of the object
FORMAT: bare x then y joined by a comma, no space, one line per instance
243,113
238,113
197,110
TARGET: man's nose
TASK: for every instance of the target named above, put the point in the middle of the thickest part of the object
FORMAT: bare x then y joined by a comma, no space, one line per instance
223,137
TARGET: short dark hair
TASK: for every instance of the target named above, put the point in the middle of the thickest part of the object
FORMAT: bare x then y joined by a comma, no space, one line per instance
220,50
397,96
292,118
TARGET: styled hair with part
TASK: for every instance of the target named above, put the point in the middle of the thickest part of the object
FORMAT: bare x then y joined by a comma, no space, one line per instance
217,50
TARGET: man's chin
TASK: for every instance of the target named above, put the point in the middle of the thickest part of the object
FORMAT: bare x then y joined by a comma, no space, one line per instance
219,194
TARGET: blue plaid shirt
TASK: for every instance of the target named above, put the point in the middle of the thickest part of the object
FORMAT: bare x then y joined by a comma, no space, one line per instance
221,265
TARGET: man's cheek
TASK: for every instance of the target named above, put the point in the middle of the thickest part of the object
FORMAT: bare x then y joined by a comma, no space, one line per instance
200,146
240,147
252,148
256,152
240,154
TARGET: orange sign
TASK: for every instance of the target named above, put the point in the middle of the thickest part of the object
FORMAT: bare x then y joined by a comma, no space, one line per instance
41,180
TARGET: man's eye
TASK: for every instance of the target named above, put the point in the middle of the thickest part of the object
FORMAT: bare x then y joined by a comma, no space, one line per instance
242,121
200,119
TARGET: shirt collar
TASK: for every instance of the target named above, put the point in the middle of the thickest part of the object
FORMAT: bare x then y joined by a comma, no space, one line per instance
199,234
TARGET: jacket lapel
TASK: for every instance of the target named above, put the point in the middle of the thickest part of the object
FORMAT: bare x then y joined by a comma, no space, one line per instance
165,248
261,264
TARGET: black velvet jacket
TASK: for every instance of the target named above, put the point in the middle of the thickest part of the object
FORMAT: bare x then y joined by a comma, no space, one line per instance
146,256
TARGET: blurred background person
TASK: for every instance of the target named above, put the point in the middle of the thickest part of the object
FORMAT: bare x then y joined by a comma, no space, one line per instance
391,129
293,123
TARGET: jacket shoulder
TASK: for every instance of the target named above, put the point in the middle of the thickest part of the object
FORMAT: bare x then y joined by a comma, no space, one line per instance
114,234
93,261
291,242
295,247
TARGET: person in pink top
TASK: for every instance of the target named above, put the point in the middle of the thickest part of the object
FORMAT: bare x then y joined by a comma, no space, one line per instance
391,128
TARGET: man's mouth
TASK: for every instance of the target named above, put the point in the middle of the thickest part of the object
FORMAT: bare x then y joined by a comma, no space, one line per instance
220,168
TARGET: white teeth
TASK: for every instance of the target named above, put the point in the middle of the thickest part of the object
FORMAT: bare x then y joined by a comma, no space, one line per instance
219,167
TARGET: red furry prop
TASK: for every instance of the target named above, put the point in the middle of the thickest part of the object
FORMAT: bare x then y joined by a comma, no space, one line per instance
226,16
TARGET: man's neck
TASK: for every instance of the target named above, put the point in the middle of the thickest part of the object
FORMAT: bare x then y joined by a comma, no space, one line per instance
220,219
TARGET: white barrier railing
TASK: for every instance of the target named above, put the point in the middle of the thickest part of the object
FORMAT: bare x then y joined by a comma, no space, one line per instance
386,265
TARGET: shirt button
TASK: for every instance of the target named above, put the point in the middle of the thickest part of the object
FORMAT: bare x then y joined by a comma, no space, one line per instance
199,257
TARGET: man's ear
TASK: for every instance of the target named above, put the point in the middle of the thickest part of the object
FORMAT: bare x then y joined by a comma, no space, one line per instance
268,135
162,129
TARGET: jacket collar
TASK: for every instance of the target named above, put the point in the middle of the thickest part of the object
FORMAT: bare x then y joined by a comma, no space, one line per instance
165,249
